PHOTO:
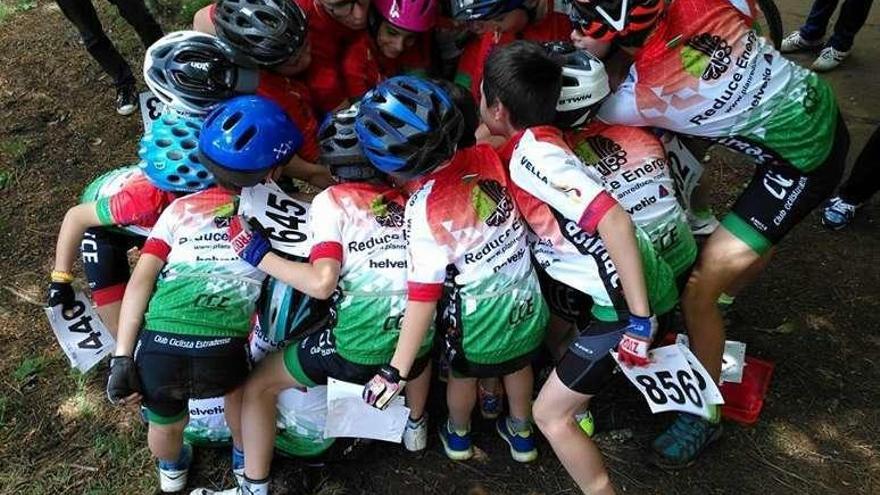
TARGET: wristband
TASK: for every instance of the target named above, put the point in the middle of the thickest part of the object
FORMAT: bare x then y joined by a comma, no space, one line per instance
62,277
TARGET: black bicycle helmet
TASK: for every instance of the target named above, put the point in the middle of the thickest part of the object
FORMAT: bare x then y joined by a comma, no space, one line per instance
408,126
584,83
261,33
480,10
340,149
192,72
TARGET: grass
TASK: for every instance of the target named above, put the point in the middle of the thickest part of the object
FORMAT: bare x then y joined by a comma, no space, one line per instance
7,9
28,368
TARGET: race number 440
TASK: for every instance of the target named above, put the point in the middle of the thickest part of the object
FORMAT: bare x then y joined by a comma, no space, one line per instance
284,218
82,336
674,381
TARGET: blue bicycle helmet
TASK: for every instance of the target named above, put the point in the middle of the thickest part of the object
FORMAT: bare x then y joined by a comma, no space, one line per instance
246,137
340,149
408,126
169,154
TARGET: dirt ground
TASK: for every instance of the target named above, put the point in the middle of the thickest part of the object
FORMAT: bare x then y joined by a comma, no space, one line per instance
814,313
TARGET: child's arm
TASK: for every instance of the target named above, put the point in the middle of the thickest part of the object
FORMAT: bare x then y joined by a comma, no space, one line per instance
134,302
123,385
617,232
317,279
76,221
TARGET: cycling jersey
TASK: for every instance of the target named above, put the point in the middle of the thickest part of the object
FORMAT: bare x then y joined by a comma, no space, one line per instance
361,226
563,202
554,26
634,169
328,39
705,72
464,216
364,66
204,288
126,198
294,98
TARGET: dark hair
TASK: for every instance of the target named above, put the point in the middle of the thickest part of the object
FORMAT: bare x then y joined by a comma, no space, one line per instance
467,106
525,80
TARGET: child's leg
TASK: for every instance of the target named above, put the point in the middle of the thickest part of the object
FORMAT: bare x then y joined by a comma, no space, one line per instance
259,410
461,396
554,414
232,403
166,440
417,393
518,386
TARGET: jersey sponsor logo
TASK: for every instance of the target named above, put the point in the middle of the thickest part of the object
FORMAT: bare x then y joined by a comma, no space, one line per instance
387,213
528,165
492,202
645,202
602,153
736,83
706,56
662,191
500,243
198,411
358,246
383,264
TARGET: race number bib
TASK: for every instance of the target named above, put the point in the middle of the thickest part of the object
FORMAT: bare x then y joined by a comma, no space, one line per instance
151,109
284,218
686,168
670,383
82,335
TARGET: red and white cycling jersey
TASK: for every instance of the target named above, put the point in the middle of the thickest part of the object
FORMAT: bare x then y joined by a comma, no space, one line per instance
361,225
563,201
464,215
634,169
127,199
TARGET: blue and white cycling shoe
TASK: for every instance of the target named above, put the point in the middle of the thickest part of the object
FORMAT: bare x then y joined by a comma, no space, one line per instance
173,475
837,213
522,444
457,445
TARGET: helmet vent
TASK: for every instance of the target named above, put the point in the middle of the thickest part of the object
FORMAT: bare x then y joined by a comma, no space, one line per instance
232,120
245,138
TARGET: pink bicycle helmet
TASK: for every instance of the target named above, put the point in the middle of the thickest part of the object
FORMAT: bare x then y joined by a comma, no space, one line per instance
417,16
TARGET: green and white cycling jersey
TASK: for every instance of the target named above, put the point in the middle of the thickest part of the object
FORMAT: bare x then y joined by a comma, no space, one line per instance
204,288
361,226
634,169
705,72
464,216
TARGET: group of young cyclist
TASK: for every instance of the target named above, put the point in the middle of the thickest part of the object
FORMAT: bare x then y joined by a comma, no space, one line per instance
488,192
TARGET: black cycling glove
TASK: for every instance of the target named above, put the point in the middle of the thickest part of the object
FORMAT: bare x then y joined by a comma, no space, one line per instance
123,380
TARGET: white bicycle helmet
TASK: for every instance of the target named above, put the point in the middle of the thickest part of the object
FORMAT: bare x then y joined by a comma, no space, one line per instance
584,84
192,72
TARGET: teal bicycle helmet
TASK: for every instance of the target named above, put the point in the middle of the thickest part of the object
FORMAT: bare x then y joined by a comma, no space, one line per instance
169,154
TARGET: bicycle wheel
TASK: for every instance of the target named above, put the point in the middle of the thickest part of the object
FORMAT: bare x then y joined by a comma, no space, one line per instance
770,22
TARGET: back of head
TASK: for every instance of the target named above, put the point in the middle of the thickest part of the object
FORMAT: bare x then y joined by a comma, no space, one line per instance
584,84
261,33
526,80
340,149
244,138
467,106
416,16
169,154
408,126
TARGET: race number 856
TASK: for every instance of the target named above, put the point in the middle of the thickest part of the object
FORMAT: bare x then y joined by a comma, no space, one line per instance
663,386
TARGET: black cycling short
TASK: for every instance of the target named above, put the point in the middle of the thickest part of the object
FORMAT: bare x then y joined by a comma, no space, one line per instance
105,261
587,365
779,195
314,359
174,368
564,301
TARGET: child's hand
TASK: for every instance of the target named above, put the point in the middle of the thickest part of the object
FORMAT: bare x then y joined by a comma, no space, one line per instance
248,240
61,293
123,384
384,387
633,347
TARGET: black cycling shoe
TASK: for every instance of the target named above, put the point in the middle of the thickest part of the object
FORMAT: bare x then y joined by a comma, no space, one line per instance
126,99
